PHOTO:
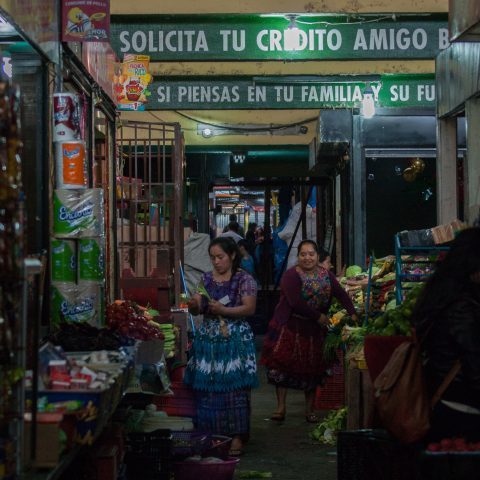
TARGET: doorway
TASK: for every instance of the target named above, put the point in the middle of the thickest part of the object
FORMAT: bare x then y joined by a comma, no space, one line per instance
397,197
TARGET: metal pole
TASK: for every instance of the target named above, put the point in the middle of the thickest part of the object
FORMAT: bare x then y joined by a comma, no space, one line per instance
285,260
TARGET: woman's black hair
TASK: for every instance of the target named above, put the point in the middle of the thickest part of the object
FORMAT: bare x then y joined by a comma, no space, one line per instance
451,277
229,246
323,254
307,242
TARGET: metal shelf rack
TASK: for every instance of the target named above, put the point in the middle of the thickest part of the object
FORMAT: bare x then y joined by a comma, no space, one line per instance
400,277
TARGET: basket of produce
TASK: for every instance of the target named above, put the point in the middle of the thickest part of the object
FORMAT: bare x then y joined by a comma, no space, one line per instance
211,468
451,459
219,447
187,443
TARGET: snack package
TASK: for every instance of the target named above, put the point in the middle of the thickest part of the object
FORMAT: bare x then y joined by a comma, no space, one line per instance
132,81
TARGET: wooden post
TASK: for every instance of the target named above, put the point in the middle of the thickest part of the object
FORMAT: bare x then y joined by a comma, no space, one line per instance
352,397
472,164
447,196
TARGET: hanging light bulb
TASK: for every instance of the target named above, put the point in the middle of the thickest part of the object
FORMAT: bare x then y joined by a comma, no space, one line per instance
291,36
368,102
207,132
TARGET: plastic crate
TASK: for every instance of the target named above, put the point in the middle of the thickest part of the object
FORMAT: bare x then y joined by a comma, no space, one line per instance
449,465
374,455
331,395
185,443
148,455
189,470
180,404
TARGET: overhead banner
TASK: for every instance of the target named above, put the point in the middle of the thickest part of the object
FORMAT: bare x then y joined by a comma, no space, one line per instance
201,93
256,38
85,20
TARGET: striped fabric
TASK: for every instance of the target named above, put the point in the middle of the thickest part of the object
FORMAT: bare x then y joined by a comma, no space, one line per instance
224,413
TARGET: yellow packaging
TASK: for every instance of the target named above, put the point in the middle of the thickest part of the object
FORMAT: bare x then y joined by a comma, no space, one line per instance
133,81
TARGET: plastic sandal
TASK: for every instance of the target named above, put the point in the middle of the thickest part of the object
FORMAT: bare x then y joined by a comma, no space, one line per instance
278,417
312,418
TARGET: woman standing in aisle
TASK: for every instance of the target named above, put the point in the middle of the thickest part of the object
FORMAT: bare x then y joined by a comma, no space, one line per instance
293,346
222,367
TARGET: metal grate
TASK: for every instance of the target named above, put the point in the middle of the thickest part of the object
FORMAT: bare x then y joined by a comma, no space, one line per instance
150,164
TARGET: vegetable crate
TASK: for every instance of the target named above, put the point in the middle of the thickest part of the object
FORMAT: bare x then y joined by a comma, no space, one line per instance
148,455
374,455
332,394
450,465
180,404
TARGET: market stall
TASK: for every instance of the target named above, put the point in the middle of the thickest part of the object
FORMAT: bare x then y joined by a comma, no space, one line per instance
384,297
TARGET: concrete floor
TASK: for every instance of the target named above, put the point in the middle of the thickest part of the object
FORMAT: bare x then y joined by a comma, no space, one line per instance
284,449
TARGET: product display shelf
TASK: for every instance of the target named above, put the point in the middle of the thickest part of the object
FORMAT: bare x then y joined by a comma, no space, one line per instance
422,254
111,399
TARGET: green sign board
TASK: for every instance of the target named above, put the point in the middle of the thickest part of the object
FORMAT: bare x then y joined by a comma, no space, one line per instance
204,93
256,38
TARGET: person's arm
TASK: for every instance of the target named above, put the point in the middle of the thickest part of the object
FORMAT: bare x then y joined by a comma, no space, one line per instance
292,289
248,297
246,309
342,296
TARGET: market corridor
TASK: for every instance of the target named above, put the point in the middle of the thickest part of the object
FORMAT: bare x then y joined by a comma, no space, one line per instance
284,449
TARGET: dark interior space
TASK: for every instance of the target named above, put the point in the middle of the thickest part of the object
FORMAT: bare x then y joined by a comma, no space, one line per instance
394,203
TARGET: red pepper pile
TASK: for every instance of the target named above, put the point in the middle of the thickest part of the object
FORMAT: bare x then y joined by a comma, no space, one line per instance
453,445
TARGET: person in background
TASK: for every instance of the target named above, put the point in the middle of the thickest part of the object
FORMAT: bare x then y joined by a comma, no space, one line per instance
222,366
324,259
447,320
250,238
246,262
259,239
285,194
232,232
233,218
293,346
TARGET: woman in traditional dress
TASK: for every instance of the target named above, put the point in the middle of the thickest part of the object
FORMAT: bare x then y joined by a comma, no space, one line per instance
293,346
222,366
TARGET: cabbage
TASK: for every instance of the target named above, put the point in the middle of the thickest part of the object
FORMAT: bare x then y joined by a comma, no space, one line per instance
353,271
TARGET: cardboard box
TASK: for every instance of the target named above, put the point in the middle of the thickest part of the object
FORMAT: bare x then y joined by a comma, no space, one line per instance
48,442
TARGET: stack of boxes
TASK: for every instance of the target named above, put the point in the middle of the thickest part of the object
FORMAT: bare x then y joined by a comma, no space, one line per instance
77,249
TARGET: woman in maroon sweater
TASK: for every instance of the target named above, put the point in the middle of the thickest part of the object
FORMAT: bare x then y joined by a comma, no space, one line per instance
293,346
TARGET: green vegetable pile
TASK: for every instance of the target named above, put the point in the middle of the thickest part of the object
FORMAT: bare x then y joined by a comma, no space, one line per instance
352,271
397,320
326,431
